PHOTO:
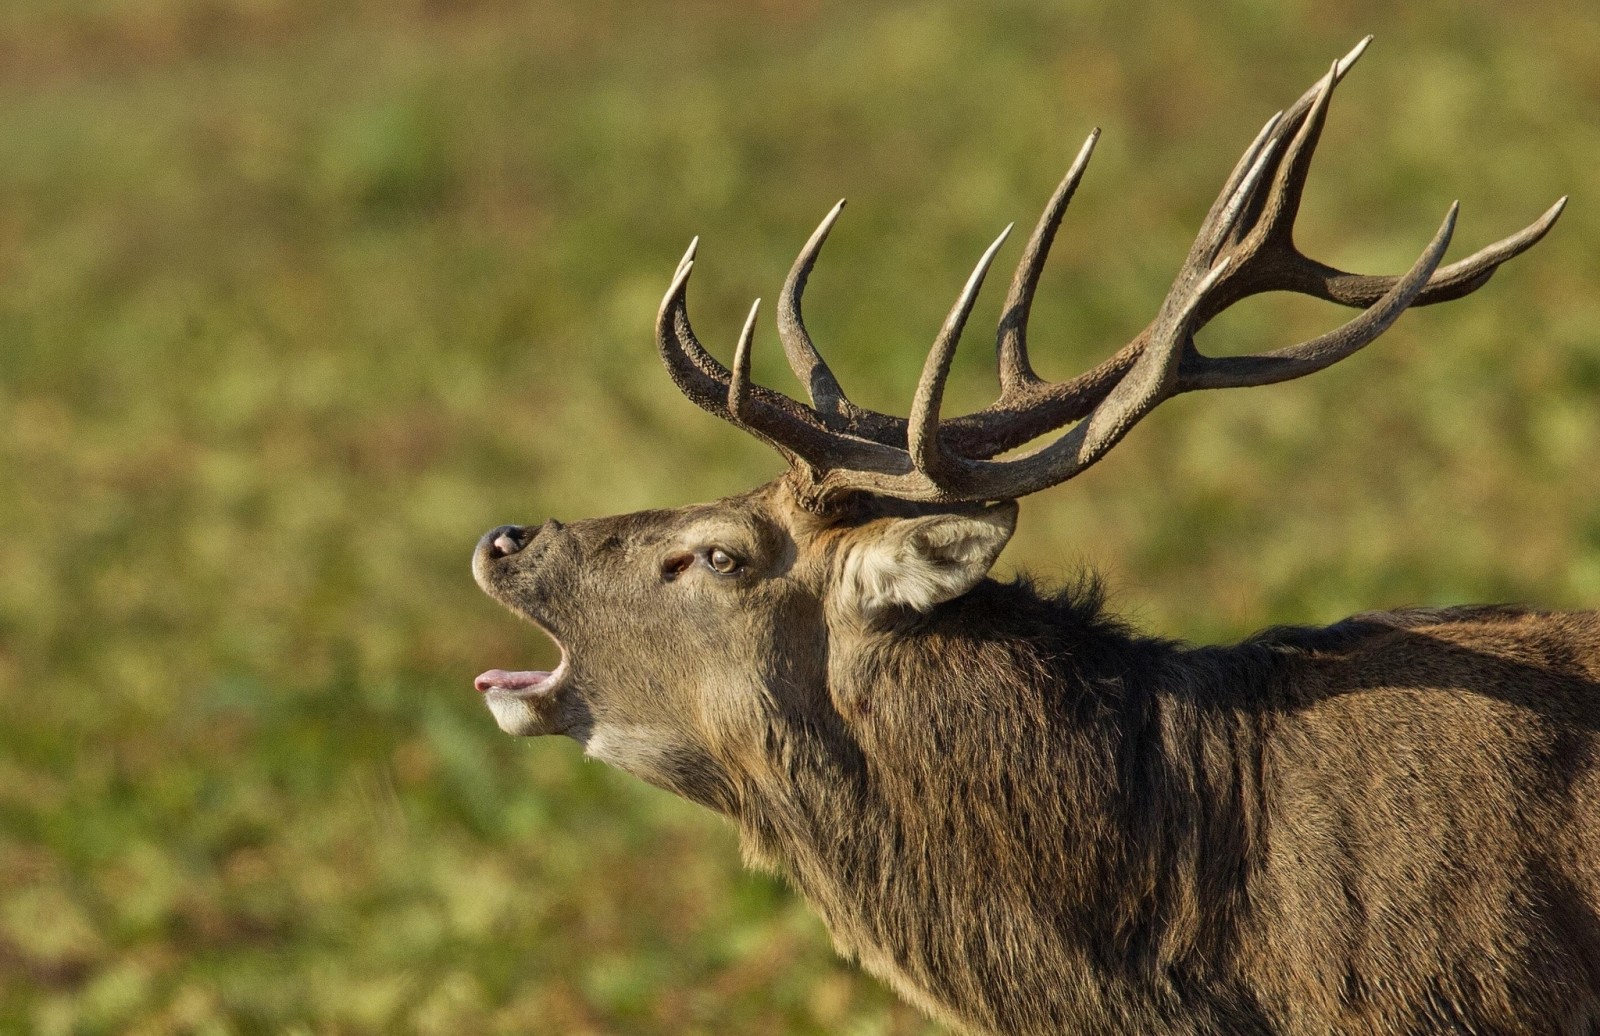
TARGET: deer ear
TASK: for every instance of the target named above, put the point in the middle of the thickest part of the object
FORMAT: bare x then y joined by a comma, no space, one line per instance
920,562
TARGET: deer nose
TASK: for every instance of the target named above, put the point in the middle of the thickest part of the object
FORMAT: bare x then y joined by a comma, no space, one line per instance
507,540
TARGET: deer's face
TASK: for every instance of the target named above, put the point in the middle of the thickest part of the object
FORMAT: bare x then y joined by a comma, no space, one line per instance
685,634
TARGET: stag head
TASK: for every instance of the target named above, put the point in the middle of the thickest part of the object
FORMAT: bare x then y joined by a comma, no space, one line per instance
705,648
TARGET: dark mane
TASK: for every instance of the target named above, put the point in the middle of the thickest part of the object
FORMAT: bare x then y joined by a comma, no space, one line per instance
1346,632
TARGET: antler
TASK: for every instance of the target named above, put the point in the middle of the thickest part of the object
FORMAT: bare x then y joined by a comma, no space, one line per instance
1244,247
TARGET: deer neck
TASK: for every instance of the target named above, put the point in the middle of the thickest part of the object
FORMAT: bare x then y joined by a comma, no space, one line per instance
992,803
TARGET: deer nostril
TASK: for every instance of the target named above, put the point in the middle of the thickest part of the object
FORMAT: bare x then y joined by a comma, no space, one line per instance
507,540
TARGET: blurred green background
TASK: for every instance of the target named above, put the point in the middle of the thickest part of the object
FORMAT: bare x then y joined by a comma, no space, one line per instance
297,298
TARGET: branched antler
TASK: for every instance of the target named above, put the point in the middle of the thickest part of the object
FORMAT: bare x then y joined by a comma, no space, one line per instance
1244,247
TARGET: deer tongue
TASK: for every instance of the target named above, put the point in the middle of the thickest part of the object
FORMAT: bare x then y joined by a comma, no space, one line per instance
504,680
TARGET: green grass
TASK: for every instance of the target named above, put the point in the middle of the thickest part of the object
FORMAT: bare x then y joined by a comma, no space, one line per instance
298,298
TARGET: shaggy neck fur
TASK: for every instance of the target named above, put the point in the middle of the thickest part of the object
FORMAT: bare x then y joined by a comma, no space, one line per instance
1016,786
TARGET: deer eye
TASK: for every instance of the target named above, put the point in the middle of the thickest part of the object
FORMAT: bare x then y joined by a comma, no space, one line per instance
722,562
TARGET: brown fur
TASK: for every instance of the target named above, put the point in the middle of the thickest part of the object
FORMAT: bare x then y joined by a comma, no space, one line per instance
1029,819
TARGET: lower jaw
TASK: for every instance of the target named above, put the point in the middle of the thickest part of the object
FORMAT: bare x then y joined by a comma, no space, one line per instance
522,717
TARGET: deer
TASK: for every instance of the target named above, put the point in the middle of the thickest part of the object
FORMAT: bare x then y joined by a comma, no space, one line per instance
1018,811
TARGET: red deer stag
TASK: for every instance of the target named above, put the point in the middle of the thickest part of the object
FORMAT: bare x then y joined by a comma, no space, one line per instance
1021,814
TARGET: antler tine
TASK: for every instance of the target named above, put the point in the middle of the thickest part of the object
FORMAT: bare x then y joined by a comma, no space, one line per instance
1311,109
1308,114
1265,139
808,365
697,374
1011,345
1469,274
739,381
1344,64
1274,204
1282,203
793,429
1222,227
688,254
1462,277
1294,119
922,433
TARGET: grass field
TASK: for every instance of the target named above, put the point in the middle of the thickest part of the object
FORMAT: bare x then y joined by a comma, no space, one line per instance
297,298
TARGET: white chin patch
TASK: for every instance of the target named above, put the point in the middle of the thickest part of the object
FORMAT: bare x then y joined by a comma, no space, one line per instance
513,715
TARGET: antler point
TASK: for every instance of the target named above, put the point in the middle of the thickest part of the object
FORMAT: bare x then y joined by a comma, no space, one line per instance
1343,64
688,255
679,279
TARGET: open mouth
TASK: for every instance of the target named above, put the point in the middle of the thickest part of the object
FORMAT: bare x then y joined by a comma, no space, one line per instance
526,684
522,683
526,702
